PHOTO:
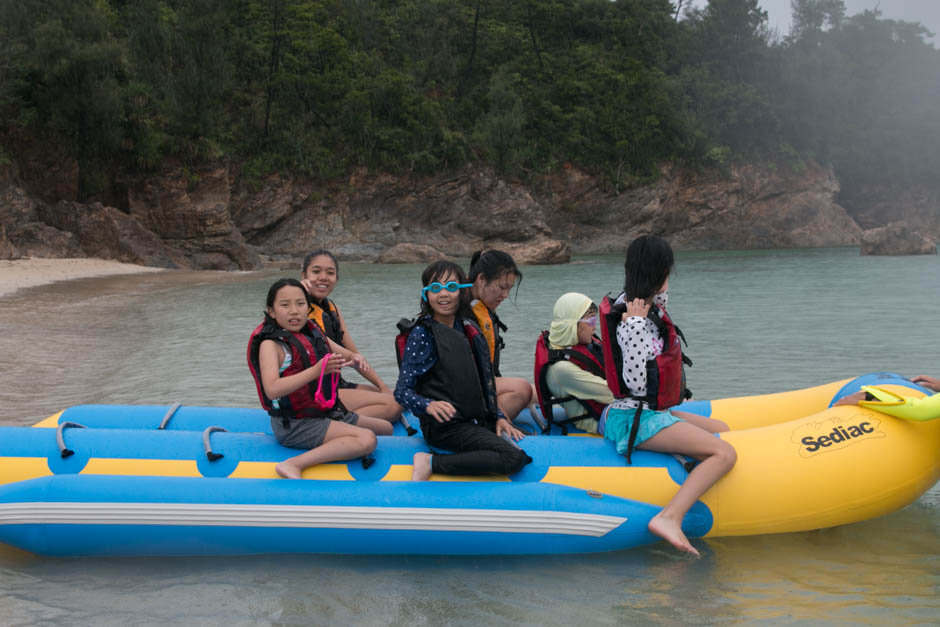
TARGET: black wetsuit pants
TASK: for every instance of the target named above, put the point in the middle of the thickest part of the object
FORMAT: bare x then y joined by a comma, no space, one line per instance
472,449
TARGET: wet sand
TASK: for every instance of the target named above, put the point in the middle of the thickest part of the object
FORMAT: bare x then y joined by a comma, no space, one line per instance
23,273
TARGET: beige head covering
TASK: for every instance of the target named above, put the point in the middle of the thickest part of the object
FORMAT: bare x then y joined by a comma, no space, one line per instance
569,308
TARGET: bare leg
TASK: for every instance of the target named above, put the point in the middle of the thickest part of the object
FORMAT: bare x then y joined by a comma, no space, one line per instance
342,441
717,458
512,395
422,467
371,402
375,425
708,424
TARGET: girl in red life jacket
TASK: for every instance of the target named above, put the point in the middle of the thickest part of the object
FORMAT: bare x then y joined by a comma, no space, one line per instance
493,274
331,433
319,275
446,379
649,261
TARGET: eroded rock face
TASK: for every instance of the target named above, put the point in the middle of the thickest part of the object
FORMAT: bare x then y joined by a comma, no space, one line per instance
542,251
108,233
411,253
456,215
874,206
749,207
191,214
171,225
202,221
897,238
26,233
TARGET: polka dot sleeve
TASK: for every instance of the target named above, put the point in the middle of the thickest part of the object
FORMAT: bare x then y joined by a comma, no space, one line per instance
639,342
420,356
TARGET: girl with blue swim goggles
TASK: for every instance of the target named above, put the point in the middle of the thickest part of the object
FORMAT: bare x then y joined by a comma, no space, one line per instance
450,286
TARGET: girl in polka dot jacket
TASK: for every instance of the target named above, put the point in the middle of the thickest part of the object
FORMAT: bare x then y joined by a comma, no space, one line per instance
648,263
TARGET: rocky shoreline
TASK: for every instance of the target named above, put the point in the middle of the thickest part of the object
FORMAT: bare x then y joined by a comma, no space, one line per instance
207,221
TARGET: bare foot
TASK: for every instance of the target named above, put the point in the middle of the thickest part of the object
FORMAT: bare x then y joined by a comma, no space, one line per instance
422,467
670,531
287,471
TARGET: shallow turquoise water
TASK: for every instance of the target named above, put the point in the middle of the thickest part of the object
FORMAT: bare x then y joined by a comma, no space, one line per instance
756,321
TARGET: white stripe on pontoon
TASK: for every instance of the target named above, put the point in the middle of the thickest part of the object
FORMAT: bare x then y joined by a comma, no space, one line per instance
224,515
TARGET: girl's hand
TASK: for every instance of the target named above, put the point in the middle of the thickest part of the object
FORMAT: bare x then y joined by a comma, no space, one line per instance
336,363
308,285
441,411
636,307
360,364
928,382
504,426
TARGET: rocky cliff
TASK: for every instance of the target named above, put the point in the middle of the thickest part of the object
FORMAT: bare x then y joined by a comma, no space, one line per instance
873,206
204,220
367,216
745,207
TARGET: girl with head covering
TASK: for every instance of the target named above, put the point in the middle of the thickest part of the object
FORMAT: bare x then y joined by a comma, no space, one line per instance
573,366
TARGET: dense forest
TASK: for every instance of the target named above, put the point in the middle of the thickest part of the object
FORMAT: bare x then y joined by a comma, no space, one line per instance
317,88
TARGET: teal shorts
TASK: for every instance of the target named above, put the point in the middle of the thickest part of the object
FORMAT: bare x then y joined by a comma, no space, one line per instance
617,423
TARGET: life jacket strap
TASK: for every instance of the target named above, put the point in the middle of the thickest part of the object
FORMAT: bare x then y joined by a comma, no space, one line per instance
634,429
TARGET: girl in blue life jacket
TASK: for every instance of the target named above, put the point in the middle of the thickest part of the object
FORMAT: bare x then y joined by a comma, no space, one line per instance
446,379
294,365
639,336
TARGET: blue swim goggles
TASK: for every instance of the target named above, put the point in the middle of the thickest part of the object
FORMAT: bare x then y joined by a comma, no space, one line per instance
450,286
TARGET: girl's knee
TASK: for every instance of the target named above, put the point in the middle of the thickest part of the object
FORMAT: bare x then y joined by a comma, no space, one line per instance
521,390
727,455
393,409
516,461
367,441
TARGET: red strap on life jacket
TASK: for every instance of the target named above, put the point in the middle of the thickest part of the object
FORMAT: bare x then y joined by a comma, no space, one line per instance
405,326
609,316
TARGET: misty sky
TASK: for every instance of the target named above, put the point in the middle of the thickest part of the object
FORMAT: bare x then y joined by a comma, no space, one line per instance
927,12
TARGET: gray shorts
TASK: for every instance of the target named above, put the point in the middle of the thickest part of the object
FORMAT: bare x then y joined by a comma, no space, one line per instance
308,433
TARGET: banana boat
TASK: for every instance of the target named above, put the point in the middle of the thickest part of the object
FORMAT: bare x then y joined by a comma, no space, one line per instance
68,487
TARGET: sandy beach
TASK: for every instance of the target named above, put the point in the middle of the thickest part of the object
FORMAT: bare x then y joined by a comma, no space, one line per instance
22,273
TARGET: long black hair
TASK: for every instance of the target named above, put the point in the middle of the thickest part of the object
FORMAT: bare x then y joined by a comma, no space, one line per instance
647,265
493,264
435,272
